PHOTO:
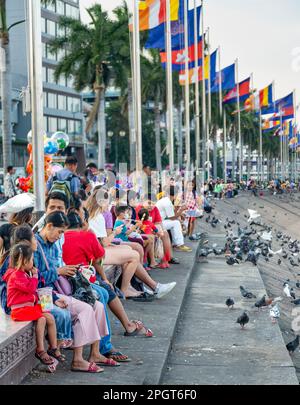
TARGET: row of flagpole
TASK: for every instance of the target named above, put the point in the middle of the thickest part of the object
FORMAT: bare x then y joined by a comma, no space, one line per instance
202,138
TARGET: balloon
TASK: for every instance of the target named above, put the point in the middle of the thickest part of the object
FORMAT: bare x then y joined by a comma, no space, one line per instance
29,166
29,148
24,184
62,139
51,147
55,169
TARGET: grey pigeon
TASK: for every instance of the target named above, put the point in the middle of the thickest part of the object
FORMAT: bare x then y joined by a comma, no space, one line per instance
243,320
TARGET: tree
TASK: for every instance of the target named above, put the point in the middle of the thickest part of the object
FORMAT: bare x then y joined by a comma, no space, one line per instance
87,60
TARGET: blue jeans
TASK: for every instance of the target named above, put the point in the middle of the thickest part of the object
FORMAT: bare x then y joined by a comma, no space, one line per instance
63,323
105,342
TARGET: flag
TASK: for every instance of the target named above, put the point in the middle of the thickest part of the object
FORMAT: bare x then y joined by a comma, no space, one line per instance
266,96
244,90
179,57
156,37
269,126
152,13
228,79
209,68
285,106
252,103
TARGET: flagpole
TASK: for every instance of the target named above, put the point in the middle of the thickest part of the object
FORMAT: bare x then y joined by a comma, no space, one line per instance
169,87
197,102
281,144
222,115
209,103
204,140
239,122
137,71
187,89
295,119
261,148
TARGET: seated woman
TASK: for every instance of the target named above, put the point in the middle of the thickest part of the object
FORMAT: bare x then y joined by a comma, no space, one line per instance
123,255
82,246
89,323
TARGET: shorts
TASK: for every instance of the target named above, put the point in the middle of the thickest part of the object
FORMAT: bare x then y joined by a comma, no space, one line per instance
111,294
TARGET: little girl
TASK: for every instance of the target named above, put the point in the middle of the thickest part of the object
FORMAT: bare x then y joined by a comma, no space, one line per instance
22,282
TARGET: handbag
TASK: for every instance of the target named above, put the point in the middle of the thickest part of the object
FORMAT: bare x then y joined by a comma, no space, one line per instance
82,290
159,249
62,284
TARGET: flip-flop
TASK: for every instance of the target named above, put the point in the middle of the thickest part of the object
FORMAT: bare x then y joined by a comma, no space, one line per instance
138,331
111,355
108,363
93,368
145,297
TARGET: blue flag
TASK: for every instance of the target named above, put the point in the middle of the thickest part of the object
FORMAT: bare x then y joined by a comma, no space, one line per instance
228,79
284,105
156,38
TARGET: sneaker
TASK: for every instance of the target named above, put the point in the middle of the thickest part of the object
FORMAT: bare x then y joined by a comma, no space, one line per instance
183,248
164,289
148,290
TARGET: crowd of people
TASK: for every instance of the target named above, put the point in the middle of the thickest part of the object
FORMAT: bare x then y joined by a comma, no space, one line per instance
101,235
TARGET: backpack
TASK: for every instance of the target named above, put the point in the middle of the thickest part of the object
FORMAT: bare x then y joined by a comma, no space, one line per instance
62,186
3,287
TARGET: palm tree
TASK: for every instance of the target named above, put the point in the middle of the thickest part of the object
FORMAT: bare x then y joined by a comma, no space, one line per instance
87,60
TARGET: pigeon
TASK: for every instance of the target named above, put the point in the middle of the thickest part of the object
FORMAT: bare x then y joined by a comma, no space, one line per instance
286,290
230,303
285,255
205,252
297,284
292,346
261,303
243,320
296,302
253,215
293,294
293,263
275,313
279,262
279,252
247,294
232,261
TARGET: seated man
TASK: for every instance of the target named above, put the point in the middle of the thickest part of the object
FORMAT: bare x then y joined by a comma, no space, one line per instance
171,221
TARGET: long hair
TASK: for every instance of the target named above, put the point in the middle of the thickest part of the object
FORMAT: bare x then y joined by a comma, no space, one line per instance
22,217
93,204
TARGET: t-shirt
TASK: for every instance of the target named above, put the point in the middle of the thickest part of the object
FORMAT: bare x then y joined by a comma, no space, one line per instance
109,223
97,225
166,208
154,214
148,228
81,247
122,235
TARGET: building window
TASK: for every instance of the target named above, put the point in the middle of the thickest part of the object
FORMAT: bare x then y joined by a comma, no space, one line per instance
71,127
45,123
50,76
45,103
74,104
44,26
51,28
50,6
52,124
61,53
60,7
62,80
52,102
70,82
50,55
78,127
61,31
72,11
62,125
44,46
44,74
62,102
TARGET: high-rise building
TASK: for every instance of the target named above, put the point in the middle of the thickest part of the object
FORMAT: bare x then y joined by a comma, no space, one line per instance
62,104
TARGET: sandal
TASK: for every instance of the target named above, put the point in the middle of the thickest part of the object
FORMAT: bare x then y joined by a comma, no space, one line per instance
118,356
144,297
44,358
93,368
139,330
60,357
67,344
107,363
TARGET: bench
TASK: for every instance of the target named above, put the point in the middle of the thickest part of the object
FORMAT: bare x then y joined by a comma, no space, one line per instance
17,347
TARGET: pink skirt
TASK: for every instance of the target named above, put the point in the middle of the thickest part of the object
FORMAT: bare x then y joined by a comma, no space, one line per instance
88,323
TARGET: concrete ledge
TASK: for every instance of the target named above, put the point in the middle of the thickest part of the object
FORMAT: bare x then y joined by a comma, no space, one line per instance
17,346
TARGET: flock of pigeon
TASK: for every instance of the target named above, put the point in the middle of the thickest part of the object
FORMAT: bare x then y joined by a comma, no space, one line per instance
250,244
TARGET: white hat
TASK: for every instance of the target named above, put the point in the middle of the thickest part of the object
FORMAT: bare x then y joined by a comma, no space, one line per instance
18,203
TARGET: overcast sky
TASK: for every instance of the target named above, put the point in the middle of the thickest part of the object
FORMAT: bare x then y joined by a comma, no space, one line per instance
263,34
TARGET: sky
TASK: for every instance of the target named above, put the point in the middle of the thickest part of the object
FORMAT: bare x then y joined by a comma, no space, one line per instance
263,34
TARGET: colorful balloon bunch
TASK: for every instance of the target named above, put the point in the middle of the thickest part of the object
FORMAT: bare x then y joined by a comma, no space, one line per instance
58,142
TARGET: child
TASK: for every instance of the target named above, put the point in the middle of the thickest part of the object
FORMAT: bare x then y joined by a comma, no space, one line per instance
22,282
148,228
